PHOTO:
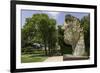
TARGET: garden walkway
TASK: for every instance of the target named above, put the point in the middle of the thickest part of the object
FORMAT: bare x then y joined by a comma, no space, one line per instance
54,59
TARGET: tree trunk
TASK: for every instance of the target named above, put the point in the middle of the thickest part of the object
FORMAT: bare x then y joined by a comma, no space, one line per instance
45,46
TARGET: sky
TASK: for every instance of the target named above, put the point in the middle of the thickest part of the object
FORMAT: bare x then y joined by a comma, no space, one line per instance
58,16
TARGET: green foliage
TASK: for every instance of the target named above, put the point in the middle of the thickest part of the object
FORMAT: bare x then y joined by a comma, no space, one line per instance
65,49
85,23
39,29
60,38
52,36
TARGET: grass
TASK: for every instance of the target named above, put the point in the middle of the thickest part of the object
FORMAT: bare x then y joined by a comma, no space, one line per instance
30,58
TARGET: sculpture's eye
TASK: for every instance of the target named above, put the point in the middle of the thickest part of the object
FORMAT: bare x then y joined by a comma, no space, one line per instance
68,26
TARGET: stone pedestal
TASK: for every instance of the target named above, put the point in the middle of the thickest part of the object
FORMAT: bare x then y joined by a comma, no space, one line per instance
72,57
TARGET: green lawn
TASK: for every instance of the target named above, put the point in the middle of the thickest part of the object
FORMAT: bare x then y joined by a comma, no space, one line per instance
31,58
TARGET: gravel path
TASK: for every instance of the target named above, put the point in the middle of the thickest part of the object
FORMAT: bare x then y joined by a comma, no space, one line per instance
54,59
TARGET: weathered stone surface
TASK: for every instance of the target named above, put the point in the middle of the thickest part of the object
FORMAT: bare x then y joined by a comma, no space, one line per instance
80,46
73,35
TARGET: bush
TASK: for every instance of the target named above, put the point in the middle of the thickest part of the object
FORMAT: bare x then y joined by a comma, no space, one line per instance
67,49
27,50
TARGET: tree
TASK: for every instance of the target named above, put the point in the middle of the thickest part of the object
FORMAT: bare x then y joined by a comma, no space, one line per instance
27,32
85,23
41,29
52,36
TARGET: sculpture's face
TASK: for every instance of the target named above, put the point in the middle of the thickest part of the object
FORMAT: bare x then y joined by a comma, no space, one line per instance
71,30
67,33
71,33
